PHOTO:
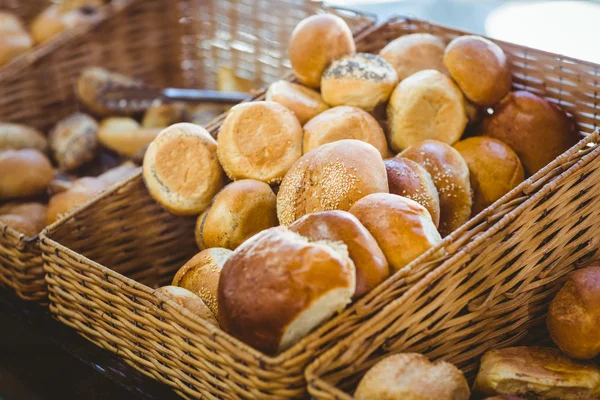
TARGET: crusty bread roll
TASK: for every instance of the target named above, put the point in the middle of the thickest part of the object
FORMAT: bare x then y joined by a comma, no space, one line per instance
415,52
24,173
574,315
259,140
73,141
305,103
53,21
480,68
344,122
341,226
317,41
426,105
361,80
407,178
14,39
402,227
26,218
181,169
411,376
533,127
125,136
163,115
262,306
93,81
190,301
494,169
242,209
17,137
536,372
83,189
450,175
331,177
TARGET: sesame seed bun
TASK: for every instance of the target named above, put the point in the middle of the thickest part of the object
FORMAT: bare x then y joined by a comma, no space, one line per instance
413,53
305,103
190,301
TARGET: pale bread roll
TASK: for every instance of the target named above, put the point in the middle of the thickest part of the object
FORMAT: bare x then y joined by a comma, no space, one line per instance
125,136
305,103
415,52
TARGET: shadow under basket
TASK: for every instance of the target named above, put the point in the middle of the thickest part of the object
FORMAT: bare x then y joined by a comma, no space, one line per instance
104,261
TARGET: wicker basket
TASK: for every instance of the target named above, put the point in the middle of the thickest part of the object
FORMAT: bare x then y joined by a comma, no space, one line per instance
26,9
143,245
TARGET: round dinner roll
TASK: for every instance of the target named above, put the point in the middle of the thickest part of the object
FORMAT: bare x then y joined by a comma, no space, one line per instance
402,227
407,178
26,218
242,209
450,175
93,81
201,274
125,136
277,287
317,41
53,21
190,301
181,169
494,169
17,137
344,122
305,103
20,224
163,115
480,68
73,141
24,173
533,127
361,80
82,190
415,52
411,376
574,315
259,140
426,105
331,177
340,226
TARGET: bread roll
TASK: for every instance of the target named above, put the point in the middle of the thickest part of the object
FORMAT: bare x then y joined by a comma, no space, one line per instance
480,68
574,315
426,105
26,218
10,22
305,103
412,376
83,189
341,226
533,127
20,224
494,169
317,41
23,173
450,175
200,275
190,301
93,81
53,21
68,5
181,169
331,177
73,141
259,140
163,115
344,122
402,227
536,372
239,211
361,80
407,178
259,303
125,136
415,52
17,137
14,39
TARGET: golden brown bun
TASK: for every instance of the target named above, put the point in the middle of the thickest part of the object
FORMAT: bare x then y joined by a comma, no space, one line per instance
536,372
73,141
407,178
533,127
259,140
26,218
190,301
83,189
93,81
20,224
242,209
125,136
53,21
24,173
413,53
426,105
317,41
344,122
331,177
402,227
181,169
14,39
480,68
17,137
200,275
259,303
361,80
574,315
305,103
494,169
163,115
450,175
341,226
